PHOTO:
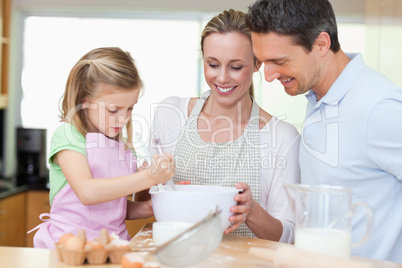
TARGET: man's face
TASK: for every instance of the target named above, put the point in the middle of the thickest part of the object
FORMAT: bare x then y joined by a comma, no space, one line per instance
297,69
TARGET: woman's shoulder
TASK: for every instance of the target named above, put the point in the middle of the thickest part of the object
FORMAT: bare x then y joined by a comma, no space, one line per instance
175,101
174,106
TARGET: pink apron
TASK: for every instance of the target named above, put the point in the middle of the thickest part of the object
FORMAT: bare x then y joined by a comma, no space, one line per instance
107,158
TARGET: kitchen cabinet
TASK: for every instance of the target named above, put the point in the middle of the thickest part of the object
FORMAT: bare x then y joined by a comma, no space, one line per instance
134,226
12,219
37,202
5,12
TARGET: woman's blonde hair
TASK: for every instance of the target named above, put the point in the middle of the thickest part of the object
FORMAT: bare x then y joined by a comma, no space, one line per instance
108,65
229,21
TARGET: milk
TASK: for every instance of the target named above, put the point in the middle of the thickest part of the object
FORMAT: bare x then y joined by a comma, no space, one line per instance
325,241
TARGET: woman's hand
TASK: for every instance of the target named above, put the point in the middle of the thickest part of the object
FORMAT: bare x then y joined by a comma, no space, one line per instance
162,168
139,210
243,209
184,182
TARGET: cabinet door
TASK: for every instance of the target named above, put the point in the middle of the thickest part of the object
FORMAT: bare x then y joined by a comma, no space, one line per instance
5,11
12,218
37,203
134,226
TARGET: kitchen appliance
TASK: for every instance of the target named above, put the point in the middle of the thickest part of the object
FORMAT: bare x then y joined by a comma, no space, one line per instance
31,156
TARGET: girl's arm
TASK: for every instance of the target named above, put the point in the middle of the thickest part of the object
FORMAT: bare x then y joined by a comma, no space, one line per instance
91,191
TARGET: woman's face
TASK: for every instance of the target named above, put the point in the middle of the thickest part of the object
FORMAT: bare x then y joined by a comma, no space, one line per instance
228,66
109,112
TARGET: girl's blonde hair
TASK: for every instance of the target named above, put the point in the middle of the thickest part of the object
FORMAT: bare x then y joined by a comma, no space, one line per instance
229,21
109,65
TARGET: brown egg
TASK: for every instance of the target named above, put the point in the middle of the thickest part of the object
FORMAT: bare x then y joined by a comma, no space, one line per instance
93,245
64,238
132,260
74,243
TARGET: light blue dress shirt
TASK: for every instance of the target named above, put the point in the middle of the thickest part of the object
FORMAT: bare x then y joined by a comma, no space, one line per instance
352,137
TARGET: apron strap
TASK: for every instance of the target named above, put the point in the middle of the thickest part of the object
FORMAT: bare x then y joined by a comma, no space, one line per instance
200,103
255,113
42,219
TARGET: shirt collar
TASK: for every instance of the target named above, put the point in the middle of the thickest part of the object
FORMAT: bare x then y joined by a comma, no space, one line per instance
342,84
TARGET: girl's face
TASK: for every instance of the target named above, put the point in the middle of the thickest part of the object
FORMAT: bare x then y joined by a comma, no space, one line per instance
228,66
111,110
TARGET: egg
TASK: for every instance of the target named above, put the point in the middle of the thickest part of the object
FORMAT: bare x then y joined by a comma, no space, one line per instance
89,245
74,243
132,260
64,238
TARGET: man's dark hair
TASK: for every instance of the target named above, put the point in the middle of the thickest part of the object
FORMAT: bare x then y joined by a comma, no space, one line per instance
303,20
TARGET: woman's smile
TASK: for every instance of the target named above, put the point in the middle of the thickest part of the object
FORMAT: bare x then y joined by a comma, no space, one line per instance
225,89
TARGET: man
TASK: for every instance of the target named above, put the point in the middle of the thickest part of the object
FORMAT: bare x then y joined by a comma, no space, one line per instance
352,135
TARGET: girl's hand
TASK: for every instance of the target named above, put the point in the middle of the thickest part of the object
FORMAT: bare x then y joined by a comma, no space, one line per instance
162,168
243,209
144,165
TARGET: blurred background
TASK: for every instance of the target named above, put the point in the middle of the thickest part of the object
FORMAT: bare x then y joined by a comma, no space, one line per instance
43,39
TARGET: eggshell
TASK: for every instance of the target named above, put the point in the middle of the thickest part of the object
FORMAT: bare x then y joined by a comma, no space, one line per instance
74,243
132,260
64,238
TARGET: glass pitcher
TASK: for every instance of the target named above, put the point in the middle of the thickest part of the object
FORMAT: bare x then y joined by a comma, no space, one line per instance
323,218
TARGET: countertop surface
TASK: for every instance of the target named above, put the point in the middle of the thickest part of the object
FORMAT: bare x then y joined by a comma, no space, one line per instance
8,188
233,252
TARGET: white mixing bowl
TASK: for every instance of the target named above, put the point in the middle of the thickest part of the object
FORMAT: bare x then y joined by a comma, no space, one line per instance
192,203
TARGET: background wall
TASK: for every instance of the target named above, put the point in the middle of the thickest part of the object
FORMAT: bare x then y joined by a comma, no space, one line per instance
383,39
341,7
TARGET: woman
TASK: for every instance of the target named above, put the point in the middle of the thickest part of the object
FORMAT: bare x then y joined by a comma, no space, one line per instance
224,138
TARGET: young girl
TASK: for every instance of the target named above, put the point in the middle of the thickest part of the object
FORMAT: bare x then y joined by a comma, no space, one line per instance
92,168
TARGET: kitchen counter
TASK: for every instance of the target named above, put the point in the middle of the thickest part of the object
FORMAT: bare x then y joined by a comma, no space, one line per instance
7,188
233,252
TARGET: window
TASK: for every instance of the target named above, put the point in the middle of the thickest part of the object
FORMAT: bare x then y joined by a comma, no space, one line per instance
167,54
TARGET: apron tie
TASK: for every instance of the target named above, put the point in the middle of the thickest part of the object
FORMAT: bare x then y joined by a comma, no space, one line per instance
42,219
